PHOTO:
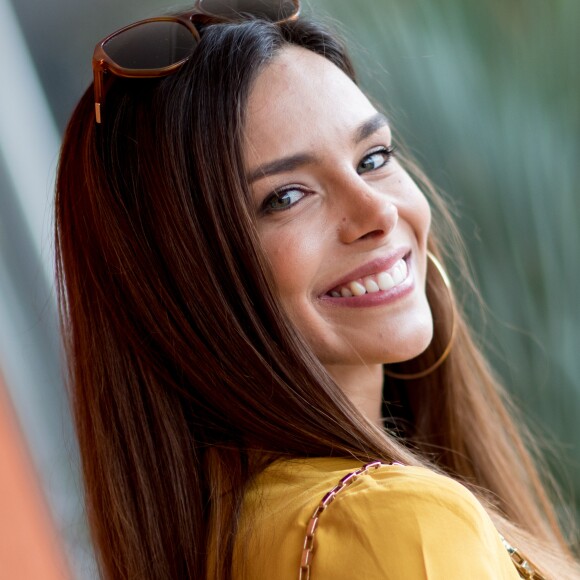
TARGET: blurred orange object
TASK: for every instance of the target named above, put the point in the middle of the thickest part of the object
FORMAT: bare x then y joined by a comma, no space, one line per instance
30,548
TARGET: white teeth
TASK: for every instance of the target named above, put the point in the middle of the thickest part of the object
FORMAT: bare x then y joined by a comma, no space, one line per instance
382,281
397,275
385,281
371,286
357,289
399,272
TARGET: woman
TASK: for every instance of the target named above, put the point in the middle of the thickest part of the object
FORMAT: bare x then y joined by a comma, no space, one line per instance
243,259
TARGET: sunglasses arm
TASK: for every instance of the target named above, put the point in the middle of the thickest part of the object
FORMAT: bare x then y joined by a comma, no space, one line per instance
99,70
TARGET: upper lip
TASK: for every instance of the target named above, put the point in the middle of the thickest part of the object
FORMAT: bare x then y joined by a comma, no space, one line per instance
373,267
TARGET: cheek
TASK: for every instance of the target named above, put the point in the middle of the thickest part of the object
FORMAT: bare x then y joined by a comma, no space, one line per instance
294,260
423,219
420,222
415,209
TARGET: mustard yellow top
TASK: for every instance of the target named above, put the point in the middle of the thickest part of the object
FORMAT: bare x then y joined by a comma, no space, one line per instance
394,523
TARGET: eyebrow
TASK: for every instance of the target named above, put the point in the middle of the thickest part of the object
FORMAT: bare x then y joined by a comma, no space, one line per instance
291,162
281,165
370,126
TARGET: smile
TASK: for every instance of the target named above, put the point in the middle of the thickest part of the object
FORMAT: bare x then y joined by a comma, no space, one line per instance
381,281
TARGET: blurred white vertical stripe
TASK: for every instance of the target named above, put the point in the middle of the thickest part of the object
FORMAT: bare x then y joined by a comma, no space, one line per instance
29,139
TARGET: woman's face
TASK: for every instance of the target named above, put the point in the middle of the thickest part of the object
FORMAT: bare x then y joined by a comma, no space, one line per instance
343,225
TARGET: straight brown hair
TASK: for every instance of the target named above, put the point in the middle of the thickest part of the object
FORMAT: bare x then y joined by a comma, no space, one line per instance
186,376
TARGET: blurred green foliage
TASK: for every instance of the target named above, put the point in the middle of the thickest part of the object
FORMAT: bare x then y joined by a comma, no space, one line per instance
487,96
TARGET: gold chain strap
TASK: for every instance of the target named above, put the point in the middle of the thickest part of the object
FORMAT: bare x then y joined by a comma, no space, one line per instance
525,569
346,481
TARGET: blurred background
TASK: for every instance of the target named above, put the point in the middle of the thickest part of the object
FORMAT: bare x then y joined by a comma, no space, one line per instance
485,94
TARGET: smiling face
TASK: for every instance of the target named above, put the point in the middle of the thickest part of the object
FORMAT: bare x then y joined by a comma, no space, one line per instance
343,225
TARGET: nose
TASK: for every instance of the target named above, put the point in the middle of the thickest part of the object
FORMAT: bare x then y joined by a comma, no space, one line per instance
365,213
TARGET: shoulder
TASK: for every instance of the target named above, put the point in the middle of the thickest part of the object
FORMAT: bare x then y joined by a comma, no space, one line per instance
408,522
393,522
407,497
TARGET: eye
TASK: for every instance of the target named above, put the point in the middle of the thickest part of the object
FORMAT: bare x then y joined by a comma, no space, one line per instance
282,199
375,160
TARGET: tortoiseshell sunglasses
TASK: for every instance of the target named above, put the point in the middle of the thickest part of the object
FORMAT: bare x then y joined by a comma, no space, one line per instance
158,47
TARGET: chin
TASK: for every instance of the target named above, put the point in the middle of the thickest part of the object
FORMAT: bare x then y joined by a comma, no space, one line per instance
414,345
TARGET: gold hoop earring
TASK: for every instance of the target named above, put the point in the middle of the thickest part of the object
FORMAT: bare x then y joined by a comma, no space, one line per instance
447,350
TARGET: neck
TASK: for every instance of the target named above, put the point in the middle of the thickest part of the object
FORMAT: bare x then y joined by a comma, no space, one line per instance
363,385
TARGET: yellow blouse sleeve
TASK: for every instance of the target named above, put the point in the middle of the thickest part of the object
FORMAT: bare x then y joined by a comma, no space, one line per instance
407,523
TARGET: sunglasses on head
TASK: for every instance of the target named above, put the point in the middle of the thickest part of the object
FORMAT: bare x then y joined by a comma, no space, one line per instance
158,47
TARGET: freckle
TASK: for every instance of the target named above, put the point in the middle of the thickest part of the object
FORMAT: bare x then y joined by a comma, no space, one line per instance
343,219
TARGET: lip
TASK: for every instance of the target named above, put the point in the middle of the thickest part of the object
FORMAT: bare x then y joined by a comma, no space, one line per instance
373,267
382,297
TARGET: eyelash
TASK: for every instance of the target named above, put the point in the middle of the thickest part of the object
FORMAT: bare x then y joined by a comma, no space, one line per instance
387,151
278,194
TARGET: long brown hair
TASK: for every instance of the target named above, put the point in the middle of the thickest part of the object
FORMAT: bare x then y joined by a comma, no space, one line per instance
187,377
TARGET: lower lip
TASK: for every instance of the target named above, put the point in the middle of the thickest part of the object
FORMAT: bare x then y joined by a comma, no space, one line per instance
379,298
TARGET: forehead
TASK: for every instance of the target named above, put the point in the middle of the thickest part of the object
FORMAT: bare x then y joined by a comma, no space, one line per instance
301,101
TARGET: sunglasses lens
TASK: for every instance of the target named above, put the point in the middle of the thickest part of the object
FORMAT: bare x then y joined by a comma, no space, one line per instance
274,10
151,45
